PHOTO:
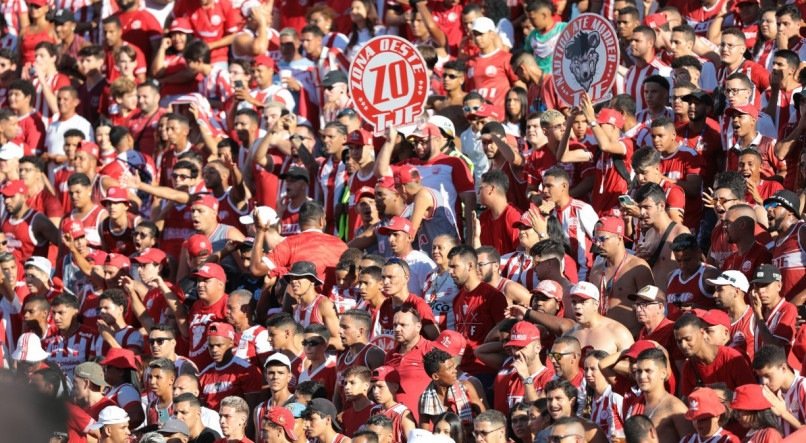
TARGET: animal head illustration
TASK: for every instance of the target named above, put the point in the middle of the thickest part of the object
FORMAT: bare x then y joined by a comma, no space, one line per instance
584,58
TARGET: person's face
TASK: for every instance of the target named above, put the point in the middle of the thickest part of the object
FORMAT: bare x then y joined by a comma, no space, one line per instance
520,425
584,308
648,174
311,44
368,287
315,425
185,384
776,216
187,414
487,267
743,124
738,94
489,433
33,315
678,105
288,46
43,59
731,49
527,237
593,374
379,392
15,203
109,311
147,98
717,335
36,280
545,304
300,286
210,288
236,312
126,65
649,211
62,315
333,140
648,311
452,79
231,421
355,386
648,375
689,339
102,136
484,40
218,347
160,381
176,132
773,376
563,359
395,280
406,327
779,64
696,110
279,337
89,64
554,189
112,34
460,270
118,433
656,97
769,294
554,130
624,26
787,26
277,377
513,105
349,332
559,405
768,26
706,427
467,22
66,102
442,428
680,45
446,375
17,100
182,179
724,200
7,65
262,75
161,343
399,243
609,243
640,44
314,346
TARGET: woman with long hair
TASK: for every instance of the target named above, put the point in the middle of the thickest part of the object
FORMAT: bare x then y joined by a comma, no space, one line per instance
449,425
516,106
40,30
366,25
519,421
753,411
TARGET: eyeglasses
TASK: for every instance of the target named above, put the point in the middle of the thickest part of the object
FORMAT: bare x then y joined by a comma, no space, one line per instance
182,176
560,438
484,434
486,263
158,340
734,91
557,356
601,238
677,97
312,343
645,305
451,76
471,108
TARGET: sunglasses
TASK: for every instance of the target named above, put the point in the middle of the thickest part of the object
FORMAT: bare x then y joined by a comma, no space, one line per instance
451,76
158,340
312,343
471,108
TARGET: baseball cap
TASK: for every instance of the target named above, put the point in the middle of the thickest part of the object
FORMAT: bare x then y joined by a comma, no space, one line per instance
90,148
121,358
324,408
211,270
396,224
11,151
730,278
359,137
609,116
525,222
704,403
699,96
333,77
116,194
655,21
119,261
181,24
110,415
405,174
426,131
150,255
197,244
713,317
41,263
73,227
443,123
637,348
649,293
749,398
522,334
766,274
174,426
97,258
483,24
29,349
785,198
387,374
483,111
549,288
221,329
264,213
296,409
585,290
38,2
387,181
207,200
14,187
278,357
264,60
365,191
611,224
282,417
296,173
91,371
451,342
303,269
63,16
747,109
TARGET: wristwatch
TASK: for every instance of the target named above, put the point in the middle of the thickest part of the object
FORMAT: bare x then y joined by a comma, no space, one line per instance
529,380
593,124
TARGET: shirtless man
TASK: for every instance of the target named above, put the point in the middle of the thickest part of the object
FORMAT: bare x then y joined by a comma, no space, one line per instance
592,328
657,227
618,272
489,269
666,411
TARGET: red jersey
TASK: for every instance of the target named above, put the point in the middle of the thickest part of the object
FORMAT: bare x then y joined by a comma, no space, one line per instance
698,15
680,164
634,80
229,213
235,377
307,314
771,165
213,22
608,183
201,314
251,343
396,413
386,313
781,322
140,28
747,263
720,436
156,305
413,378
112,72
500,232
789,257
690,290
729,367
352,419
743,334
69,352
538,161
144,130
322,249
477,312
178,228
509,387
92,224
121,242
56,82
46,203
22,241
606,413
31,133
491,75
707,143
721,249
324,374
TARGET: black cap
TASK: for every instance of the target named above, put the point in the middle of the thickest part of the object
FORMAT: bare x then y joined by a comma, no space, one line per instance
699,96
303,269
766,274
324,408
333,77
63,16
787,199
295,172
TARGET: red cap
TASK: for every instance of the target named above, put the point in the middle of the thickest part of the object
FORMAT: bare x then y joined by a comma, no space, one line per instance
207,200
750,398
522,334
747,109
181,24
13,188
483,111
365,191
150,255
359,137
265,60
609,116
38,2
610,224
211,270
73,227
121,358
585,290
704,403
405,174
97,257
525,222
387,182
117,195
549,288
198,243
387,374
655,21
90,148
426,131
451,342
637,348
282,417
396,224
713,317
119,261
220,329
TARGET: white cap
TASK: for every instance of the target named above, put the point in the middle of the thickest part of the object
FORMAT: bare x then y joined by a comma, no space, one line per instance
29,349
279,357
443,123
730,278
111,415
40,263
483,24
264,213
11,151
648,293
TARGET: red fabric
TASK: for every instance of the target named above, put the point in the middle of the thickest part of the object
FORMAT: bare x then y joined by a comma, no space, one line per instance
747,263
491,75
729,367
322,249
199,317
413,378
499,233
477,312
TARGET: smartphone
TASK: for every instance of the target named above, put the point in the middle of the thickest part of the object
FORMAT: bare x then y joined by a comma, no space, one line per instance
238,84
802,312
626,200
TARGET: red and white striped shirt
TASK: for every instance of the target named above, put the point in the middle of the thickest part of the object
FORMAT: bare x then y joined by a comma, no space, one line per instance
331,181
55,82
645,116
785,114
634,80
743,334
12,10
69,352
216,86
606,413
640,134
720,436
795,400
517,266
578,220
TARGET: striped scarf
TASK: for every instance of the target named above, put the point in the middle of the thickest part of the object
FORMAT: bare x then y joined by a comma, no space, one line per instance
457,402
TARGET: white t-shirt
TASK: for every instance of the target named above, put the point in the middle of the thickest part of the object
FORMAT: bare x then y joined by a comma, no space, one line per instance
54,135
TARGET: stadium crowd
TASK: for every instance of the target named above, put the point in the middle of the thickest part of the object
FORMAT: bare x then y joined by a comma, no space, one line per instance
203,241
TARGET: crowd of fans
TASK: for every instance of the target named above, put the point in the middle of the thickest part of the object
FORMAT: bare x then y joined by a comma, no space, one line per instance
202,240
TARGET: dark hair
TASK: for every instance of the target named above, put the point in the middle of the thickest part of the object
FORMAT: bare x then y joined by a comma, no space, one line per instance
624,103
375,272
369,436
496,178
736,32
791,57
54,377
491,252
688,319
457,433
648,32
65,300
91,51
112,20
644,157
251,113
751,151
662,122
281,320
24,86
312,388
658,80
151,226
548,248
34,160
318,329
455,65
637,428
40,300
434,359
10,55
790,10
313,29
564,385
629,10
380,420
493,128
197,51
558,173
166,328
371,20
52,49
655,355
116,296
188,397
465,252
193,168
536,5
117,134
687,31
746,82
651,191
310,211
769,355
79,178
731,180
